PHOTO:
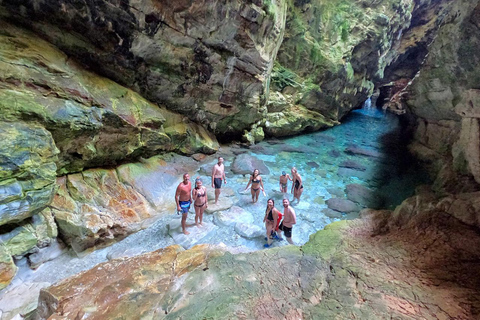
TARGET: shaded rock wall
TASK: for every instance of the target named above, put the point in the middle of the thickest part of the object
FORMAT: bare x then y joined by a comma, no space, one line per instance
445,98
208,60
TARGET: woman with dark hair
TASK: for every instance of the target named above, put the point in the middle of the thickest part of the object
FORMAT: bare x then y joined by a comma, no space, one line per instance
270,219
200,201
257,184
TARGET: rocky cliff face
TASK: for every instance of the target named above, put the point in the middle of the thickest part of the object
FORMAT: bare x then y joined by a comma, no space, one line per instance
57,118
208,60
445,98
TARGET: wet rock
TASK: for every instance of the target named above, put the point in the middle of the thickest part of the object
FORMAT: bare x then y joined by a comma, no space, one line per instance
313,164
124,253
353,165
342,205
249,231
233,216
245,164
224,203
347,172
363,196
197,234
339,193
334,153
357,151
332,213
7,267
225,192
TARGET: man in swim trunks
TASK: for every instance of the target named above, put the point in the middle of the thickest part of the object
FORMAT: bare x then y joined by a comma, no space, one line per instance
183,200
289,219
218,174
284,181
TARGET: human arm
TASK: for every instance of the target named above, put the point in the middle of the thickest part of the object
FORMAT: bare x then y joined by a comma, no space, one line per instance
213,176
275,219
249,181
224,176
194,194
177,198
289,178
206,197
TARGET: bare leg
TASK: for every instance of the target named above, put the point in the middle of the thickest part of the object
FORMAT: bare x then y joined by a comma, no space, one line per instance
184,223
197,213
217,193
253,195
289,240
202,209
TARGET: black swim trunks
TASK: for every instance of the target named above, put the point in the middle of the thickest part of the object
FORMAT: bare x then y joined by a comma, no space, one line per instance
217,182
287,230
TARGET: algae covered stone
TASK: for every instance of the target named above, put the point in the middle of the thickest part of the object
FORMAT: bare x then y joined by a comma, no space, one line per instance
27,170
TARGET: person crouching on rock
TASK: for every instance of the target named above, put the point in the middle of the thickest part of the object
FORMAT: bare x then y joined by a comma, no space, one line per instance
270,219
184,200
257,184
200,201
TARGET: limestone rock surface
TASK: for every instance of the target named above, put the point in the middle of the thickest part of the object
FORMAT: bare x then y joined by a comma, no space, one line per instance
363,269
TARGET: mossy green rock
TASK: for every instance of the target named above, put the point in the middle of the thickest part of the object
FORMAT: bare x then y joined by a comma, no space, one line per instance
209,61
93,121
27,170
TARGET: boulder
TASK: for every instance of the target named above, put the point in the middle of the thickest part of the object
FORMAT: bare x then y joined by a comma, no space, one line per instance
54,250
249,231
342,205
95,207
233,216
197,234
245,164
224,203
364,196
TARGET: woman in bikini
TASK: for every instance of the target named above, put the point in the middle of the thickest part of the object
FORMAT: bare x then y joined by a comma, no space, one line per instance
270,219
297,186
257,184
200,201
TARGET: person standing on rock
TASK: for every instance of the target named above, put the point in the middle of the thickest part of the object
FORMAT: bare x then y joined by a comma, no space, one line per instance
257,184
270,220
284,182
218,174
200,201
184,200
297,186
289,219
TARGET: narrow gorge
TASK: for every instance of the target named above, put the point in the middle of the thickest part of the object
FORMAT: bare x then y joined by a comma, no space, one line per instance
105,104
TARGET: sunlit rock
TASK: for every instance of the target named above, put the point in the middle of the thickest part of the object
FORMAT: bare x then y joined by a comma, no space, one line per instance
246,163
7,267
233,216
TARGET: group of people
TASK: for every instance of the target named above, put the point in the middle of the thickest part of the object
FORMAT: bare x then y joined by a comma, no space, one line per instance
256,183
184,196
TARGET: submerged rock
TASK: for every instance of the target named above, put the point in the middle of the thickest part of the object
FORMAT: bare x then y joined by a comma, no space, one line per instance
245,164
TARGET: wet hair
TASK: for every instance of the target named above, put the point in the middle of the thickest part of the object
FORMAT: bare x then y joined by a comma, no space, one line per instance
253,173
267,203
